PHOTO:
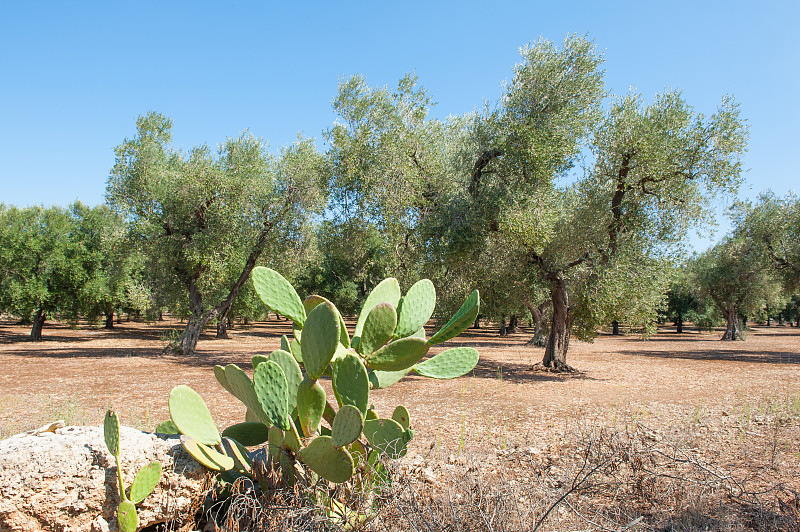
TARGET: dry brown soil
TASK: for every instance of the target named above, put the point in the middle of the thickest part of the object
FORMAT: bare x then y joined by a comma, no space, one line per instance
716,417
728,392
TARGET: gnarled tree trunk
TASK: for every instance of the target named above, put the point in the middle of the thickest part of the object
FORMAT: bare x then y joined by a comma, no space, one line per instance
555,353
537,316
38,322
733,331
109,319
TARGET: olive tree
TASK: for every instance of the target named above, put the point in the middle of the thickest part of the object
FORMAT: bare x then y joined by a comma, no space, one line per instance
41,264
735,276
774,222
205,219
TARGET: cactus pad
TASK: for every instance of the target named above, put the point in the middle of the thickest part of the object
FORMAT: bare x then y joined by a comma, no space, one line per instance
320,339
402,416
310,406
331,463
449,364
190,414
292,372
248,433
278,294
416,308
463,318
127,519
285,343
275,442
387,291
379,327
387,436
111,432
398,355
383,379
219,374
258,359
145,482
236,451
347,426
167,427
291,438
242,388
351,382
206,455
272,390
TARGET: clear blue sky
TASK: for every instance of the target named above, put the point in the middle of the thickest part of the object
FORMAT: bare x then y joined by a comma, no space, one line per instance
75,75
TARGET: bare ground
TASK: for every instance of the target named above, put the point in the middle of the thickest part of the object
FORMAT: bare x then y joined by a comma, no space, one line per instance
736,405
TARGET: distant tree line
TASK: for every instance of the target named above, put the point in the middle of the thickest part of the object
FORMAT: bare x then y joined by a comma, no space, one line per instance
563,204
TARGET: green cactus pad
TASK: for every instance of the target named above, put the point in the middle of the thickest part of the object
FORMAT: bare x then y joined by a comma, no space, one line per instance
285,343
320,339
291,438
127,519
402,416
190,414
379,477
383,379
292,372
312,301
449,364
252,417
296,351
329,462
416,308
258,359
387,436
111,432
219,373
420,333
241,459
310,406
278,294
387,291
167,427
398,355
351,382
358,452
275,442
463,318
145,482
272,390
347,426
344,339
378,328
371,414
242,388
206,455
248,433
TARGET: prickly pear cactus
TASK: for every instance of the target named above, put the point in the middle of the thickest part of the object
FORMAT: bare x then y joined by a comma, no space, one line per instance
144,482
288,411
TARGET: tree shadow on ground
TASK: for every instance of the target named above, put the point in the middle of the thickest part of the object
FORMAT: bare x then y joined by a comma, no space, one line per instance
521,373
58,333
722,355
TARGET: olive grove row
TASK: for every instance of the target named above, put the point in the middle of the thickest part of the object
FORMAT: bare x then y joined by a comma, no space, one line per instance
559,199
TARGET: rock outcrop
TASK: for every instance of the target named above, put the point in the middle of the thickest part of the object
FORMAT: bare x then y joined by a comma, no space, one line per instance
64,479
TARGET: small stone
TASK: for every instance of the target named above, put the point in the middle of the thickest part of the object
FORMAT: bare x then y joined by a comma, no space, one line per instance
100,525
428,475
